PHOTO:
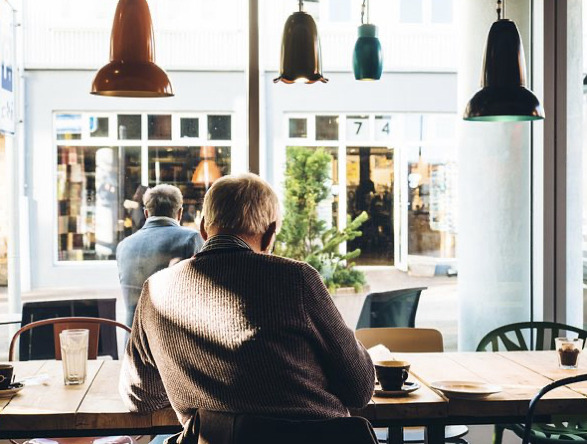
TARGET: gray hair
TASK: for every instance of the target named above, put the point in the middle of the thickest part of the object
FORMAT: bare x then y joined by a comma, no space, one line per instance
242,204
163,200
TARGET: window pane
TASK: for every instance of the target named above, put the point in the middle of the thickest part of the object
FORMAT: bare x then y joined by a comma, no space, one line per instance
219,128
189,127
90,191
159,127
326,127
298,128
340,11
357,128
68,126
129,127
441,11
98,126
192,170
411,11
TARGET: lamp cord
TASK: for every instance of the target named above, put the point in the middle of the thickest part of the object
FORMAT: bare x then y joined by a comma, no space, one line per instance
500,9
301,5
364,7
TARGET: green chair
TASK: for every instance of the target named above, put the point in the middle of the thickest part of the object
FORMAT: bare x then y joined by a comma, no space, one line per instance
535,336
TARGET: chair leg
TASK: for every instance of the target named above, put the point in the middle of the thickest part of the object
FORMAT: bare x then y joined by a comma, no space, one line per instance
498,433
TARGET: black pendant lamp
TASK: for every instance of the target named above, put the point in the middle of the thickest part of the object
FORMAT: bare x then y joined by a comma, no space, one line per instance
503,96
300,50
367,56
132,71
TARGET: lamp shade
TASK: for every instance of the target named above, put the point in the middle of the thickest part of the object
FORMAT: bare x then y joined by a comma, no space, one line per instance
300,51
207,171
132,71
503,96
367,56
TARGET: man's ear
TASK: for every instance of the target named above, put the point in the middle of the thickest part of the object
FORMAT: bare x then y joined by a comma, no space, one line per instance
146,213
179,214
203,230
267,238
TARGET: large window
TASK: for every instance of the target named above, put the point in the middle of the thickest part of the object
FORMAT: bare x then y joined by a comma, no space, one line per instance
105,162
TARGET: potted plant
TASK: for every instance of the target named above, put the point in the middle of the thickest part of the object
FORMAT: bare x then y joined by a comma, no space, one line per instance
306,237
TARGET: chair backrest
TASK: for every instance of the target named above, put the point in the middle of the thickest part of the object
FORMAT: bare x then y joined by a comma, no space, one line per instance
395,308
538,335
543,391
402,339
60,324
231,428
37,344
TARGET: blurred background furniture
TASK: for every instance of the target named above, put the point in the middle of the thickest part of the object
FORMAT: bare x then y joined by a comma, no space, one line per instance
410,340
396,308
58,325
539,335
523,336
41,346
559,432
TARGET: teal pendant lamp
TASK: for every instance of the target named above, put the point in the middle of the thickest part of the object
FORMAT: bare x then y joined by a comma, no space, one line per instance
503,96
300,50
367,56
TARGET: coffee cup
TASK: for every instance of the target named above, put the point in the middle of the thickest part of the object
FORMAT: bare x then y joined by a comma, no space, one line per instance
392,374
6,371
568,350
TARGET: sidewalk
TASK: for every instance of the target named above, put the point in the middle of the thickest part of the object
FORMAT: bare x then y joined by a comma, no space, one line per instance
437,308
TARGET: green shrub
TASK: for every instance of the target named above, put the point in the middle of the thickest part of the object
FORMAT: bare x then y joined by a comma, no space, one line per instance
303,235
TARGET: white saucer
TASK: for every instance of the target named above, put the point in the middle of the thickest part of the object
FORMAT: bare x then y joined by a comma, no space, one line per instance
406,389
465,389
11,390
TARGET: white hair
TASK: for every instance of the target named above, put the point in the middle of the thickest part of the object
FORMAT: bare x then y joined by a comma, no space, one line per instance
242,204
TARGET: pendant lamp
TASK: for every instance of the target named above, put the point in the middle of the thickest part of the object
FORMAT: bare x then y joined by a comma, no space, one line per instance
367,56
132,71
300,50
207,171
503,96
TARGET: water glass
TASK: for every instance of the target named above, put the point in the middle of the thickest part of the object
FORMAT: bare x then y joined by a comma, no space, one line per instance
568,350
74,354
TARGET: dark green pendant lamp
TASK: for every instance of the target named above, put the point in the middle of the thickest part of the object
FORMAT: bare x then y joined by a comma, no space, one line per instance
132,71
300,50
503,96
367,56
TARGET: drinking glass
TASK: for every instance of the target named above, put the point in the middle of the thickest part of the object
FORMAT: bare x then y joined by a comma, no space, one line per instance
568,350
74,353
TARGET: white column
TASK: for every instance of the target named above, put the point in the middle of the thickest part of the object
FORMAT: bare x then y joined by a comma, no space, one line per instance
494,192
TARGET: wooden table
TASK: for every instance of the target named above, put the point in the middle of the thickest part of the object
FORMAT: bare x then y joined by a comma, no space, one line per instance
95,407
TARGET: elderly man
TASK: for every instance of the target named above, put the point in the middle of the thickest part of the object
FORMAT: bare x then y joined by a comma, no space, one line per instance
159,243
238,330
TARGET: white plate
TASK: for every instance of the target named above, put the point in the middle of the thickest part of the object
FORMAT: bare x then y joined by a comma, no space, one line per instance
407,388
465,389
11,390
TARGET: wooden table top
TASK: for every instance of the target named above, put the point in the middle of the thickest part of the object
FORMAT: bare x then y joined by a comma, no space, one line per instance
53,409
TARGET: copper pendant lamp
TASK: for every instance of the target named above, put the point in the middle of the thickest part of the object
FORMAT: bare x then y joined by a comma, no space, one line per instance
207,170
503,96
300,50
132,71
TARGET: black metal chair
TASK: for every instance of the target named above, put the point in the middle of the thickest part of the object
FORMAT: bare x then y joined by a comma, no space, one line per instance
562,432
234,428
396,308
38,343
521,336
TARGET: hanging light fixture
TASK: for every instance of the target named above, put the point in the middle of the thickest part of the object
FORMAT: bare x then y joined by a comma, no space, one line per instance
132,71
503,96
207,171
300,50
367,56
